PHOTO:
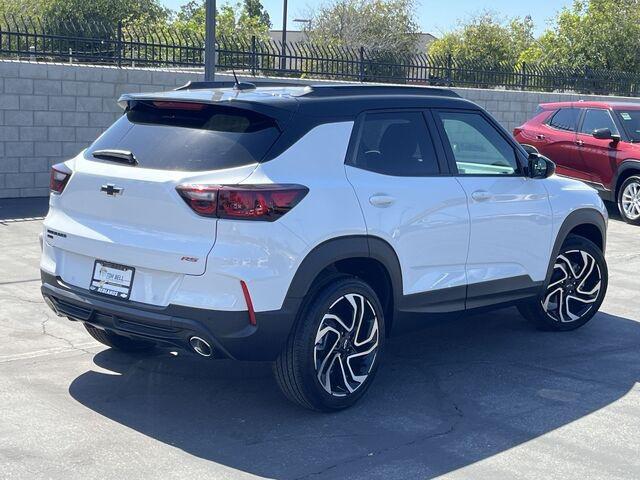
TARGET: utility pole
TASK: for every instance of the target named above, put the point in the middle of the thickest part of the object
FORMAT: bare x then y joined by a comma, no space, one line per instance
283,60
210,41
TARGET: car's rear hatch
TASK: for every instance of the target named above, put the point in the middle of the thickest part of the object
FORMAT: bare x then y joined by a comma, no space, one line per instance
129,212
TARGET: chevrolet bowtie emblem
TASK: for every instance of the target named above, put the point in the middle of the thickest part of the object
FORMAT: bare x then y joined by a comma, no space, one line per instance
111,190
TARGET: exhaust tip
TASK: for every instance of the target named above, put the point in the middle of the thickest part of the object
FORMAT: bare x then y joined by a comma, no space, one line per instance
201,346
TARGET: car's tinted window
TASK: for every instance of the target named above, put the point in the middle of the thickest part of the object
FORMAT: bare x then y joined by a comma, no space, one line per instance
597,118
478,148
396,143
170,136
566,119
630,120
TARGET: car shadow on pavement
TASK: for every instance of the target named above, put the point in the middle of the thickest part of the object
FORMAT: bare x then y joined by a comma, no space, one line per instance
446,396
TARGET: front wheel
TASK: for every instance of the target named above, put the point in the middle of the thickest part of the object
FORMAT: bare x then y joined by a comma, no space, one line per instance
333,353
629,200
576,289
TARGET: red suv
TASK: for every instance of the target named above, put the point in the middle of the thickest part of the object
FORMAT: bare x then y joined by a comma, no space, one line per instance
596,142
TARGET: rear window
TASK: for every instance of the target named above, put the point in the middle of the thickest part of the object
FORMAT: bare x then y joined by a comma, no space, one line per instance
565,119
190,137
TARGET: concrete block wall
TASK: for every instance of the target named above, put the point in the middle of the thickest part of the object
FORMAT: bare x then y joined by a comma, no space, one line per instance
50,112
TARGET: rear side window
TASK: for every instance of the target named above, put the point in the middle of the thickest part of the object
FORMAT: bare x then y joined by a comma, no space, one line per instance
189,137
396,143
565,119
595,119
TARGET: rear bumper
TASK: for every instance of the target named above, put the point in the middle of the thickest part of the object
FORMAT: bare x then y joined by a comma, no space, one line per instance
228,332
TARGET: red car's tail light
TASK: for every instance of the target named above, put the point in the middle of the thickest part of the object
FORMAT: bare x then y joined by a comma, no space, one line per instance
517,131
242,202
60,175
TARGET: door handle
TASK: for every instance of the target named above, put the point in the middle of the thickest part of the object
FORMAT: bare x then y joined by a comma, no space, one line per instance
481,195
381,201
540,137
580,143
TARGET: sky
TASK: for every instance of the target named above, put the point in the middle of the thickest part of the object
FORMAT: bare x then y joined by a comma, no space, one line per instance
434,16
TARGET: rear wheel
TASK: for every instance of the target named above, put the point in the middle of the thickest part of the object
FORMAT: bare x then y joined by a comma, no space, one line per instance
576,289
332,355
118,342
629,200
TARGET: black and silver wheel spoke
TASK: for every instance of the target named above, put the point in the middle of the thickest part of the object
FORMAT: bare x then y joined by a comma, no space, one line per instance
346,344
575,285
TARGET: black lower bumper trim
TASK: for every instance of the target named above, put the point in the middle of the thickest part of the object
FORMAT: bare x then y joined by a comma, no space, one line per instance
229,332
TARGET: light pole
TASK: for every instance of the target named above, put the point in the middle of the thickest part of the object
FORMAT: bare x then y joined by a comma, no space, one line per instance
210,41
283,61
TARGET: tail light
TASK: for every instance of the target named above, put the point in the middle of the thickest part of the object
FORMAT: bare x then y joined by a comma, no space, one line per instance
60,175
517,131
242,202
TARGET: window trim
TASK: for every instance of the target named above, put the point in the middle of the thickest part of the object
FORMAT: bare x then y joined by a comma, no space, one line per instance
356,136
548,121
584,114
518,151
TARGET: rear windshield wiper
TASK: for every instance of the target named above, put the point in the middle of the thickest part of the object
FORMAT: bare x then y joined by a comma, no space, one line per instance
121,156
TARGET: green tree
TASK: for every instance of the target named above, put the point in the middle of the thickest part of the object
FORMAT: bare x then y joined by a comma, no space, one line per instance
236,21
383,25
56,12
487,39
597,33
254,9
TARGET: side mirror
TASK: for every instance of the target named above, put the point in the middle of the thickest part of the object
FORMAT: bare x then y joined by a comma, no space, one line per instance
540,166
605,134
529,149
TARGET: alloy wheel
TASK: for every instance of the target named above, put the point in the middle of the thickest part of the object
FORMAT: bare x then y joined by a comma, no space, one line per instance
630,201
575,286
346,345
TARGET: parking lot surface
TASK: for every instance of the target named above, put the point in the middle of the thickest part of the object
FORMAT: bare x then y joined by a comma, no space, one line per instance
481,397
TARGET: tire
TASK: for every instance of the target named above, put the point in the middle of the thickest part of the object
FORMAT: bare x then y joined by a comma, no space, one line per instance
576,290
119,342
629,200
328,340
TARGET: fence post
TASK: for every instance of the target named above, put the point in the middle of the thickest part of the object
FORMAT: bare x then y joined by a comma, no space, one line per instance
449,67
361,65
119,44
254,56
523,84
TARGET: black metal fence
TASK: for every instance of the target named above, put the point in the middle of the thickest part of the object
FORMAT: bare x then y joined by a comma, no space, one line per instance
124,45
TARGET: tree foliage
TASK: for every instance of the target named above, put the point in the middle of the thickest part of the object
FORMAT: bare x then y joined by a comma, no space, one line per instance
591,33
383,25
241,21
596,33
488,39
52,12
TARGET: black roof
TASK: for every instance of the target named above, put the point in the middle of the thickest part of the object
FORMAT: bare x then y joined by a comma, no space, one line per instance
335,101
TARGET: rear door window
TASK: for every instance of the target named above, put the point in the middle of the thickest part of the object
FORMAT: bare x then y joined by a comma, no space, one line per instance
189,137
397,144
565,119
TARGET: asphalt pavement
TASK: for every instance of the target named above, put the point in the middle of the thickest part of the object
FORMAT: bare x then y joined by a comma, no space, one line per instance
481,397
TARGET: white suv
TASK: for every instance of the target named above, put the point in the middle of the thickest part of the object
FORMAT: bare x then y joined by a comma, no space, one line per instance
299,224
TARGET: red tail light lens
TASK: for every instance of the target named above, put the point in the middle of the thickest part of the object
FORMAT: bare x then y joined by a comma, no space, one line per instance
60,175
201,198
517,131
242,202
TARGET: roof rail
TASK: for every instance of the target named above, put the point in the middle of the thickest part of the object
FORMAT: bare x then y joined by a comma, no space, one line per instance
359,89
230,84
